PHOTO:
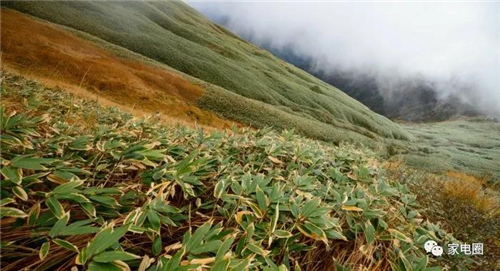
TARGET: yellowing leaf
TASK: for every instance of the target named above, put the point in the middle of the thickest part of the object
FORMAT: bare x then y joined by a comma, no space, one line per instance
274,160
56,179
239,216
351,208
400,236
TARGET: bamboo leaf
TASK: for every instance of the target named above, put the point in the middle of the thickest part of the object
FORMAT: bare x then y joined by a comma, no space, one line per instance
282,234
13,174
274,221
111,256
11,212
352,208
20,193
257,249
59,226
44,250
65,244
369,232
55,207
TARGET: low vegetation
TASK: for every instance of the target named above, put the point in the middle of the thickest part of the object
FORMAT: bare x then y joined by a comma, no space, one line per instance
92,187
465,205
93,71
464,145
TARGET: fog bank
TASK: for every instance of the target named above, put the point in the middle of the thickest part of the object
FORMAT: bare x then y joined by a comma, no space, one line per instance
454,45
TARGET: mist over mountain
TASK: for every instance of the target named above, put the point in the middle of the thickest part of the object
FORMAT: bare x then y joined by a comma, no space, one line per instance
413,61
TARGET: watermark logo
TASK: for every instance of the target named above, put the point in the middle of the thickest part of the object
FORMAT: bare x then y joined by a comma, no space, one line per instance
433,248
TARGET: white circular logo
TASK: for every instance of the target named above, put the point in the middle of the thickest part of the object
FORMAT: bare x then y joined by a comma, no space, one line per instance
429,245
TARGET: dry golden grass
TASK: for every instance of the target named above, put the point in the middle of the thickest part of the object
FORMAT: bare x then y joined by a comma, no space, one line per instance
56,57
466,205
472,190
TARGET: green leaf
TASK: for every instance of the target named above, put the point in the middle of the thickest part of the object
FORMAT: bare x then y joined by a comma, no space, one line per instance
257,211
400,236
44,250
434,268
220,186
158,174
333,234
79,198
154,220
55,207
59,226
294,208
110,256
89,209
196,239
250,230
65,244
282,234
316,231
28,162
6,201
79,227
82,143
211,246
68,187
320,211
257,249
11,212
157,245
95,266
106,201
224,248
310,207
369,232
33,214
20,193
221,265
105,238
15,175
261,199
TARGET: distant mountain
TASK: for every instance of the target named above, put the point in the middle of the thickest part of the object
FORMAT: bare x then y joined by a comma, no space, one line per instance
410,99
240,81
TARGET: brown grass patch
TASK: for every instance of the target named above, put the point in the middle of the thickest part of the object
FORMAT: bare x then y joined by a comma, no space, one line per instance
467,206
56,57
473,190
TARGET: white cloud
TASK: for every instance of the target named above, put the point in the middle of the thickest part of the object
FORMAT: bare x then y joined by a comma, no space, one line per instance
438,40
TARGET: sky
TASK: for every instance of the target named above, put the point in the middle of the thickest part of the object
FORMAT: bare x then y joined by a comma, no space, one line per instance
443,41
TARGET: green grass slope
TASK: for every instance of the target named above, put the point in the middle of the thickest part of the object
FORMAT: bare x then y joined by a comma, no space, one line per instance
466,145
244,82
85,186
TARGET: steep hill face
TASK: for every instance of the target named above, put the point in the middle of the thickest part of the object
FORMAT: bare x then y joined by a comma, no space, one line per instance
58,57
241,81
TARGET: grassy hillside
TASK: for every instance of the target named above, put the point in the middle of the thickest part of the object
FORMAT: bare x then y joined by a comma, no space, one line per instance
467,145
61,58
413,99
244,82
93,187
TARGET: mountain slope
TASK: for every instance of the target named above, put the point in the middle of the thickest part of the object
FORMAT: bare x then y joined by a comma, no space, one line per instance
413,98
58,57
244,82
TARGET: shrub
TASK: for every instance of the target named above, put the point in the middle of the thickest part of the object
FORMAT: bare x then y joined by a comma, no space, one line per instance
131,193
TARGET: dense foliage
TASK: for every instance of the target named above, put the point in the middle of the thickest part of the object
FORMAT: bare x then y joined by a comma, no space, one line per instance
88,186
